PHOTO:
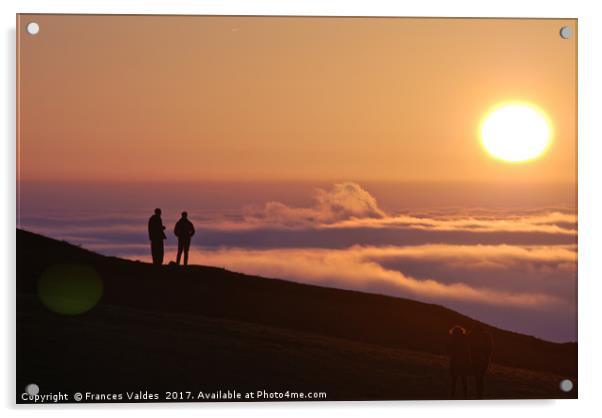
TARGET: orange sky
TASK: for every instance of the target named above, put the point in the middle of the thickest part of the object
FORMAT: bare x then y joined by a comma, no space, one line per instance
256,98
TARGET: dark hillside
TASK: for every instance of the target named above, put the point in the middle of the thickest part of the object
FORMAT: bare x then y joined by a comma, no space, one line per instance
151,313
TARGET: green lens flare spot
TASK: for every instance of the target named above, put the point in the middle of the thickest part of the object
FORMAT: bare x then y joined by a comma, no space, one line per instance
70,289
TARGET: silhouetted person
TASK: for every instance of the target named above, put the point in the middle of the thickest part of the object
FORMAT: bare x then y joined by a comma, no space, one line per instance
156,235
481,346
459,359
184,230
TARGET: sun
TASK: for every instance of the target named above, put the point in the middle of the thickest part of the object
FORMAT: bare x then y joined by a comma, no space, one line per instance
516,132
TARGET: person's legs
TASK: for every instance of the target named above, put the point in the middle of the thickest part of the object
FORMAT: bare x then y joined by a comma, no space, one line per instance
452,388
464,381
153,252
480,382
180,247
156,253
160,253
186,248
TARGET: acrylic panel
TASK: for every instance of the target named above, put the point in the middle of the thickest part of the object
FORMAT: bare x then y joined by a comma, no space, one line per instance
265,208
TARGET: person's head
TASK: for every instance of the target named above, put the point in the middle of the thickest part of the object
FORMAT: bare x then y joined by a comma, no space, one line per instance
157,211
184,215
457,330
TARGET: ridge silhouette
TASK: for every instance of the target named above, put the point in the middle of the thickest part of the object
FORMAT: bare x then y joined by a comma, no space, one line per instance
385,321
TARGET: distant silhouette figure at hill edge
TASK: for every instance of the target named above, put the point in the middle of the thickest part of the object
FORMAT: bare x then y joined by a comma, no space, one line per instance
459,359
156,235
469,355
184,230
481,346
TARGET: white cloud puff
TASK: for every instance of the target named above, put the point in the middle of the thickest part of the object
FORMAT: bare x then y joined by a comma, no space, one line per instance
345,201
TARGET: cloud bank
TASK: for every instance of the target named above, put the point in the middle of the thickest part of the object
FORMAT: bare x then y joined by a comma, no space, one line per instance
348,205
358,268
513,268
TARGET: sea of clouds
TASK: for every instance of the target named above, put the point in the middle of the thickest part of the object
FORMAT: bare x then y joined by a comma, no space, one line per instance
514,268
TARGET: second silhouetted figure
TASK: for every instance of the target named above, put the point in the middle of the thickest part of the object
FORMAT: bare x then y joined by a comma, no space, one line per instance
184,230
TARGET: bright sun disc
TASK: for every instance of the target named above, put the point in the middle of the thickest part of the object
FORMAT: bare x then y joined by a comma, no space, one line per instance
516,133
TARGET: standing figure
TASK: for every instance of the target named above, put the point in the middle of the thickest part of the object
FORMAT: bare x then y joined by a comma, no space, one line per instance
459,359
481,346
156,234
184,230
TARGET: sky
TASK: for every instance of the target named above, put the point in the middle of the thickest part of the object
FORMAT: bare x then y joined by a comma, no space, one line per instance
263,98
337,152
